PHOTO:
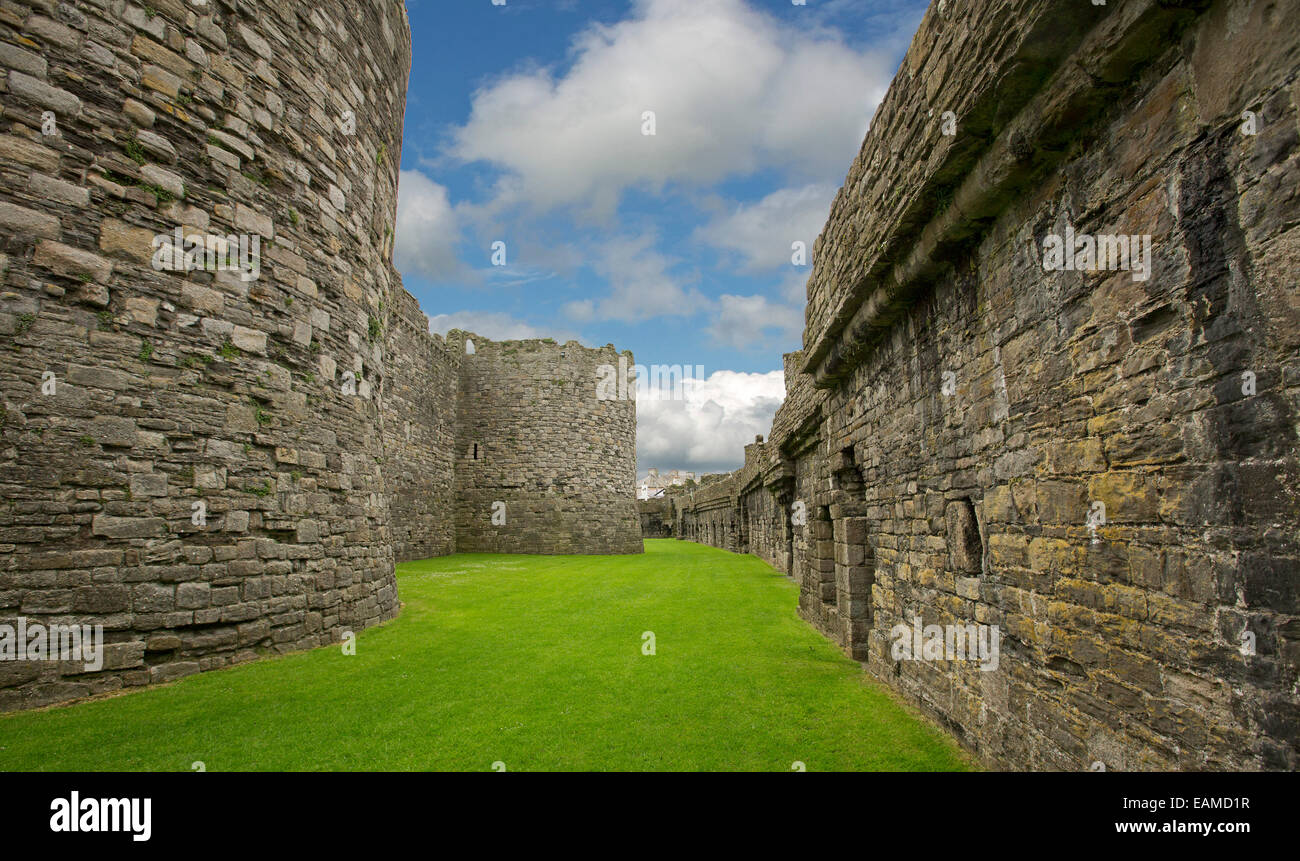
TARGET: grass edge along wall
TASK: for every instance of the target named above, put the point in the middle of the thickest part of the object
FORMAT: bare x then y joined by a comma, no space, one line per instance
537,662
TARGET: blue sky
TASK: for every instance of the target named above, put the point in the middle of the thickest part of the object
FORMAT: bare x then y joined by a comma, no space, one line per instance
526,125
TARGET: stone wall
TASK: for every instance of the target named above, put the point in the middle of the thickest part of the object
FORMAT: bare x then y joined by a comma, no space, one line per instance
656,517
191,475
1102,466
537,447
215,467
419,432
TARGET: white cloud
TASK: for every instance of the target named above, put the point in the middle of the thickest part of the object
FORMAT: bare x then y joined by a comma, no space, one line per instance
733,91
495,326
580,311
752,322
762,233
426,231
708,430
640,284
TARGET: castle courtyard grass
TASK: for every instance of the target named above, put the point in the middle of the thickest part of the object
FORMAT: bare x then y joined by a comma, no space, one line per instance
535,662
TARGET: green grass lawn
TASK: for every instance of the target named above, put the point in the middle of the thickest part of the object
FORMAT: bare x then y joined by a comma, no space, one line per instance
532,661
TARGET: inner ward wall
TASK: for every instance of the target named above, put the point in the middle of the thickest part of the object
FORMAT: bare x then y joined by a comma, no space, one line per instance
538,445
419,432
958,412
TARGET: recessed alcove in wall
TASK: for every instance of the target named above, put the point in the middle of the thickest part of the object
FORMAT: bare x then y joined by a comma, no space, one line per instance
965,546
855,573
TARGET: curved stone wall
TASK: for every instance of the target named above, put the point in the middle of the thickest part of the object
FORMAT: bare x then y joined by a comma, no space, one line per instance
539,447
192,458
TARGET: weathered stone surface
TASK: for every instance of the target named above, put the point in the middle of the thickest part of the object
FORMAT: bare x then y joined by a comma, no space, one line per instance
139,112
253,40
21,220
157,146
114,431
23,151
72,262
252,221
249,340
161,80
37,91
231,142
22,60
127,527
51,31
1104,467
143,310
132,242
58,191
164,179
104,378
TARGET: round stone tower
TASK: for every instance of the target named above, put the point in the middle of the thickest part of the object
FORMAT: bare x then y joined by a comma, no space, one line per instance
196,217
546,447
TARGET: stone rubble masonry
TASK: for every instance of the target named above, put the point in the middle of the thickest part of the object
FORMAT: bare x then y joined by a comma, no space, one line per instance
656,517
535,437
173,389
419,431
516,423
969,502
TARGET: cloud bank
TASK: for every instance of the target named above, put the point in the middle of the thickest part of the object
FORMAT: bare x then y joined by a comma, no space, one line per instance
708,430
732,90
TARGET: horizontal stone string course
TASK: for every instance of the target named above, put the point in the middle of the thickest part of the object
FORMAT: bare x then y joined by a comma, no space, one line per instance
1101,465
223,463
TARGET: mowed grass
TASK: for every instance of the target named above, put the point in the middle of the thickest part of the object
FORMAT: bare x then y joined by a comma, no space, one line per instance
531,661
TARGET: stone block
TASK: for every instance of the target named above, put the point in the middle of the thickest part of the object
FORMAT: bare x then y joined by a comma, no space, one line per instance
27,222
193,596
159,79
110,526
153,598
249,220
57,190
38,92
126,240
154,484
113,431
22,60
